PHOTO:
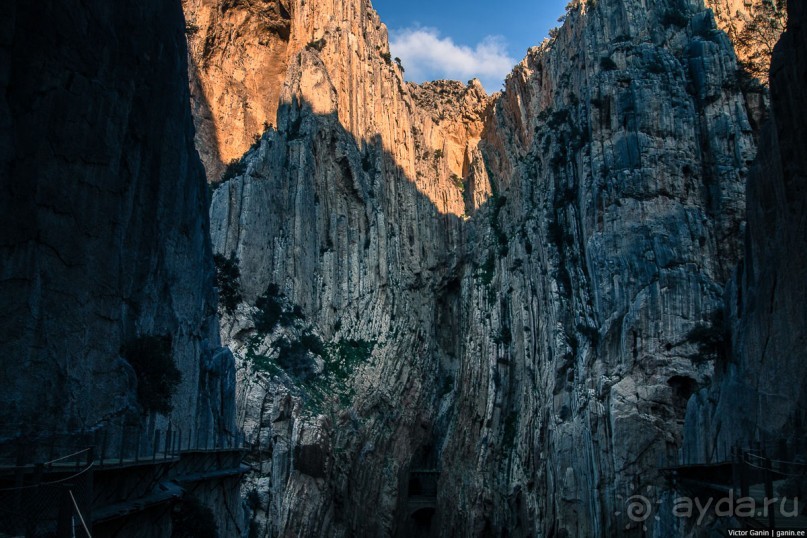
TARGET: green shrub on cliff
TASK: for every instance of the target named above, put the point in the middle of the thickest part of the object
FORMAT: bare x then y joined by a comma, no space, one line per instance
228,277
341,358
759,36
273,308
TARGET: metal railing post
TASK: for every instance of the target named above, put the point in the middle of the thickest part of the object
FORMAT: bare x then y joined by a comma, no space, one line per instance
156,445
768,476
19,479
168,433
122,444
39,469
103,445
139,442
735,469
744,485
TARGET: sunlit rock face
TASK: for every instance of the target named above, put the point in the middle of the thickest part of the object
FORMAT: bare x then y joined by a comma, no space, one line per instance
754,26
105,234
532,273
731,15
238,51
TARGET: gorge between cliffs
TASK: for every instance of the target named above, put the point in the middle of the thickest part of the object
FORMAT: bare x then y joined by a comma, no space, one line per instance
317,299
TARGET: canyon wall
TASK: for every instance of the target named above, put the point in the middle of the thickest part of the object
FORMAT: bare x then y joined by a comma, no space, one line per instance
352,208
238,52
104,234
619,151
758,395
239,55
520,292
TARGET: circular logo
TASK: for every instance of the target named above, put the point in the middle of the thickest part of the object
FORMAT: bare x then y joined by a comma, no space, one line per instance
639,508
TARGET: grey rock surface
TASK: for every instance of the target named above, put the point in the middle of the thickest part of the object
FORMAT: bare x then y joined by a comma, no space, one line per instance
104,233
534,272
758,394
619,153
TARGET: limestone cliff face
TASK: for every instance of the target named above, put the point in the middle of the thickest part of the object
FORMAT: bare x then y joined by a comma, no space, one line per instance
758,394
526,271
754,48
238,52
104,235
349,207
239,55
618,156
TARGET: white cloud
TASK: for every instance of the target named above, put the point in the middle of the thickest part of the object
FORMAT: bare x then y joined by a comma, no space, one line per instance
427,56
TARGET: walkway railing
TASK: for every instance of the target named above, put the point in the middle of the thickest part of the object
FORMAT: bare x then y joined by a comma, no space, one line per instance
751,473
110,445
47,484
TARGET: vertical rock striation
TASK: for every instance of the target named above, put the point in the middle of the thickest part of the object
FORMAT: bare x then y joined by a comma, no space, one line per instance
757,395
618,154
350,209
104,235
536,274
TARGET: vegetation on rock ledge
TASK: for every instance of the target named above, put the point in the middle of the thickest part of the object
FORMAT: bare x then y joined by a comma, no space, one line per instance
228,277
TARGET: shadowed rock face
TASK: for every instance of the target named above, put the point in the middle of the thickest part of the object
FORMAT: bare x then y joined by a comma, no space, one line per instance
622,155
104,234
759,395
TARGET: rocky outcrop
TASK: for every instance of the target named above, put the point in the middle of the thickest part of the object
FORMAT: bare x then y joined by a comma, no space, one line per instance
451,117
367,242
754,26
238,53
731,16
757,396
104,236
618,155
510,291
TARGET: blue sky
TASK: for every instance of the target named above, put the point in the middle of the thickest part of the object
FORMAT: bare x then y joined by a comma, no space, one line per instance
465,39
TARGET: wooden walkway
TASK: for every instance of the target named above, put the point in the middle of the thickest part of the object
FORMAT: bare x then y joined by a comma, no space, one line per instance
750,475
780,515
47,497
